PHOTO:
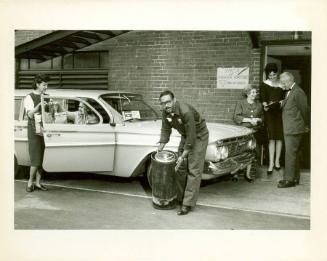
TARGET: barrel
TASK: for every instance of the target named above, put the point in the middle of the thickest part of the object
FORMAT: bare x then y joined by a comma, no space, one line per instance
162,175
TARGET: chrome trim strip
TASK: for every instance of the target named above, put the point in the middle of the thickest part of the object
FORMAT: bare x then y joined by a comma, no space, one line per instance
78,144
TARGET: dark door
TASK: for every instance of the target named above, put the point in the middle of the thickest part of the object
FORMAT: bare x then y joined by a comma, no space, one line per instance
294,57
300,67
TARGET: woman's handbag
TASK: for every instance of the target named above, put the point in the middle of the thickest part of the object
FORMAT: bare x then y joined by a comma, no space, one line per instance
38,124
249,125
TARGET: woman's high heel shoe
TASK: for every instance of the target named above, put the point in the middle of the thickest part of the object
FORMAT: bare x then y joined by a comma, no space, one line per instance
41,187
29,188
250,180
276,168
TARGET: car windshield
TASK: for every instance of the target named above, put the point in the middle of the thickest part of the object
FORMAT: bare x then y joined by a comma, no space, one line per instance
130,106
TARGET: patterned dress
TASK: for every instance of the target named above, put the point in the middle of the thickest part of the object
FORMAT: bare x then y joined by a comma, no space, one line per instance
244,109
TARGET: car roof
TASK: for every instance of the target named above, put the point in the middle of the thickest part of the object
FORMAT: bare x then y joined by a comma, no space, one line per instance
73,92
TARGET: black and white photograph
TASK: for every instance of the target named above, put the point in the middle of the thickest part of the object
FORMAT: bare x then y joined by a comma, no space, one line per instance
150,136
158,123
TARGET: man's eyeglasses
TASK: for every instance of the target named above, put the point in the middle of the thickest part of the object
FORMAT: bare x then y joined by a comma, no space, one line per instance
165,103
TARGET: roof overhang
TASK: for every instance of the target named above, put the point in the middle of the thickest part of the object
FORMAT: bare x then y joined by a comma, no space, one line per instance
62,42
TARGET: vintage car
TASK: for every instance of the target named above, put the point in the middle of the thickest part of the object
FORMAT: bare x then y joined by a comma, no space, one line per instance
120,138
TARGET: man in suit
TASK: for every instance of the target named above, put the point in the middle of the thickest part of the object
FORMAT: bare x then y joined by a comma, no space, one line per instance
295,124
192,148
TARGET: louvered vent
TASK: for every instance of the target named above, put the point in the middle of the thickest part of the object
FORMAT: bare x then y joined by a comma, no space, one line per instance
74,79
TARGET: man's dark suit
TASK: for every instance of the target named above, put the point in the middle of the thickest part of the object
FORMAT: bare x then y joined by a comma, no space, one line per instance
295,124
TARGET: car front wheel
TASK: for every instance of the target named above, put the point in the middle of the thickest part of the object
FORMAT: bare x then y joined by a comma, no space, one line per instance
149,175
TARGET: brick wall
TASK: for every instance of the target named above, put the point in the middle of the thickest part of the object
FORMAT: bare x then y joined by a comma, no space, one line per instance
185,62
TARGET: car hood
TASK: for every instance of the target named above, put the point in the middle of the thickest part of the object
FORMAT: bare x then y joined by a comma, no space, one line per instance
217,131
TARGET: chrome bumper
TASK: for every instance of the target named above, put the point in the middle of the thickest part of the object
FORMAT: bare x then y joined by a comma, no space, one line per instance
230,165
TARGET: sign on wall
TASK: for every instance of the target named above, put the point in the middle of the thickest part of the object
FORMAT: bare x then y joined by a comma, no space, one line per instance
232,78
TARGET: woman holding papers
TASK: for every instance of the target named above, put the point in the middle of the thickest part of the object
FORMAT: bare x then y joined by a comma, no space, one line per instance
271,94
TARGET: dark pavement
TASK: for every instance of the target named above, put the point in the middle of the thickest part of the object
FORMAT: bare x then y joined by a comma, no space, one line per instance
97,202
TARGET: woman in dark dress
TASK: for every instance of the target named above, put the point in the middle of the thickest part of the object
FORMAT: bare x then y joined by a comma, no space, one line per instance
32,104
271,94
249,113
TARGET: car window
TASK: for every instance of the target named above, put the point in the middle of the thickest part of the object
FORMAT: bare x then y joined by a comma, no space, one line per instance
68,111
18,104
99,109
130,106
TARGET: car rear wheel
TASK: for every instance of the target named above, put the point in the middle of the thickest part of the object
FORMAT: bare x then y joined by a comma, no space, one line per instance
20,172
16,168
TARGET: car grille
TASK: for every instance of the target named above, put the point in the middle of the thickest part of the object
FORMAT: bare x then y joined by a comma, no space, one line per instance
229,165
236,145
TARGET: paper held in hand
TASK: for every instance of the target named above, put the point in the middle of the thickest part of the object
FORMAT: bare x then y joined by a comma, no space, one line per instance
38,123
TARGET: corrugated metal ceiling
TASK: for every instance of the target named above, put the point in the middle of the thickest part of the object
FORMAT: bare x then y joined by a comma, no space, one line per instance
62,42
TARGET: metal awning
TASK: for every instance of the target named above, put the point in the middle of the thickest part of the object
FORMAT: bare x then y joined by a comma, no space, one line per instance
62,42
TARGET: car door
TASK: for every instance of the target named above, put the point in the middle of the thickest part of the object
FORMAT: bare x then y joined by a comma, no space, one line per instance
20,133
73,146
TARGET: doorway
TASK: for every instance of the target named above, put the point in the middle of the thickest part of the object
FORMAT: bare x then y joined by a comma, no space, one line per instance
293,57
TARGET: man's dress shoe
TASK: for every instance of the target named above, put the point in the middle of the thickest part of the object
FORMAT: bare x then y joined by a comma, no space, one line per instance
184,210
286,184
